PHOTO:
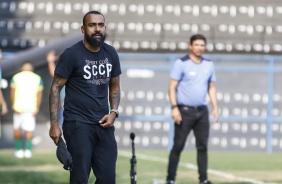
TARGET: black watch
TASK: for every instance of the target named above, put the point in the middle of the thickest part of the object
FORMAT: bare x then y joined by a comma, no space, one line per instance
115,111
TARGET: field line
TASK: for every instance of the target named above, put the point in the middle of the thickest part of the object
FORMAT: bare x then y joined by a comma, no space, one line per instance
192,167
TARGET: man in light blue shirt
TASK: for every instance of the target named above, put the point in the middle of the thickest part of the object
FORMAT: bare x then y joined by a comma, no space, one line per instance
191,80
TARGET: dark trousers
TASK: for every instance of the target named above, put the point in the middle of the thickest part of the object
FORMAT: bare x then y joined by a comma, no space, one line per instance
91,147
196,119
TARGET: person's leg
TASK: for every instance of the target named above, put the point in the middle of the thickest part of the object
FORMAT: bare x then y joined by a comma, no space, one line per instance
180,135
28,137
201,132
105,156
28,125
28,144
17,135
78,137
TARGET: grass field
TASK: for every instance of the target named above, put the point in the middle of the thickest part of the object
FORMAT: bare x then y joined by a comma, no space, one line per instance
225,168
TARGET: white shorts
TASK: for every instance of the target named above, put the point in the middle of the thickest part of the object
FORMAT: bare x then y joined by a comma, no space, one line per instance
25,121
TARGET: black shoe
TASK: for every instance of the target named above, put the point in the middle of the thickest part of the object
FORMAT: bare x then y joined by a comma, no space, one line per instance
205,182
169,182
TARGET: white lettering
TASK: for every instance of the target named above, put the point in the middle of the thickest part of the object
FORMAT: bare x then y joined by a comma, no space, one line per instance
86,71
97,72
93,70
101,69
109,69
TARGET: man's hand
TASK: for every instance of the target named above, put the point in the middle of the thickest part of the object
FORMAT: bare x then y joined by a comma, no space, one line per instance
108,120
55,132
215,116
176,115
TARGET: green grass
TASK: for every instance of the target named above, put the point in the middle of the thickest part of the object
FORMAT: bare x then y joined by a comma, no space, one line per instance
44,168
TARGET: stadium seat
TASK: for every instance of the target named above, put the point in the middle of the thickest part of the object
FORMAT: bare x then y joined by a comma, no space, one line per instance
231,27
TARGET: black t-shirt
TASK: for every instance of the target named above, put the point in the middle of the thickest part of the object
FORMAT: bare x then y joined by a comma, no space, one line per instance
88,75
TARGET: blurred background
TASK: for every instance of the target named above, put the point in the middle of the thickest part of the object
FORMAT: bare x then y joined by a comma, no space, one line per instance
244,42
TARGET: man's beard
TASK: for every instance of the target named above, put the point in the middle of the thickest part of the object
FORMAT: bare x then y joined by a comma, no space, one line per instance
94,41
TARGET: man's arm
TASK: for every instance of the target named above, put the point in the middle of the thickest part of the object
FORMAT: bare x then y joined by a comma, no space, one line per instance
173,101
54,106
213,99
172,92
114,92
3,103
51,59
114,99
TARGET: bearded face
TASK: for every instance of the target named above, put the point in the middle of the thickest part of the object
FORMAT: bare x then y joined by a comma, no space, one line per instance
94,30
95,39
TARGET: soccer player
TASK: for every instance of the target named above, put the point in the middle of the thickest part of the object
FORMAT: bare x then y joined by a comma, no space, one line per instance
26,97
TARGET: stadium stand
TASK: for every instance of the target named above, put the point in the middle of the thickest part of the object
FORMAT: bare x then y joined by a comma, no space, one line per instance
231,27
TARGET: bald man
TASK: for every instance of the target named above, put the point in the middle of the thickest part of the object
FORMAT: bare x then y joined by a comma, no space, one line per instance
26,96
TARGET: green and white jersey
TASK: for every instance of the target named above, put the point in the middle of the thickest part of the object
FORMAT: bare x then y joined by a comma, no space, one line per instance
27,85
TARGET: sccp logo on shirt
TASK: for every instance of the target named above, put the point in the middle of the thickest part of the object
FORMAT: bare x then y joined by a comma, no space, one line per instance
97,69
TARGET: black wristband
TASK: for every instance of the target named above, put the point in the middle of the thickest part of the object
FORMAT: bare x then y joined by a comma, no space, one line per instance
173,106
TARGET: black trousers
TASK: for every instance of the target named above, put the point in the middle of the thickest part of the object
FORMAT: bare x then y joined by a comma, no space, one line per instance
196,119
91,147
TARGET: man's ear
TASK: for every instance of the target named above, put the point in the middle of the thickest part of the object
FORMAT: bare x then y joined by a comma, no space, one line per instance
190,46
82,29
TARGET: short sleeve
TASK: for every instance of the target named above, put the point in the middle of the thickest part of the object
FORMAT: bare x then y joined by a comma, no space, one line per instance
12,83
213,77
177,70
41,86
116,71
65,64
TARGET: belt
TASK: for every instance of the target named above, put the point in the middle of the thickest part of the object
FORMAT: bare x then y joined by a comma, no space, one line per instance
196,108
